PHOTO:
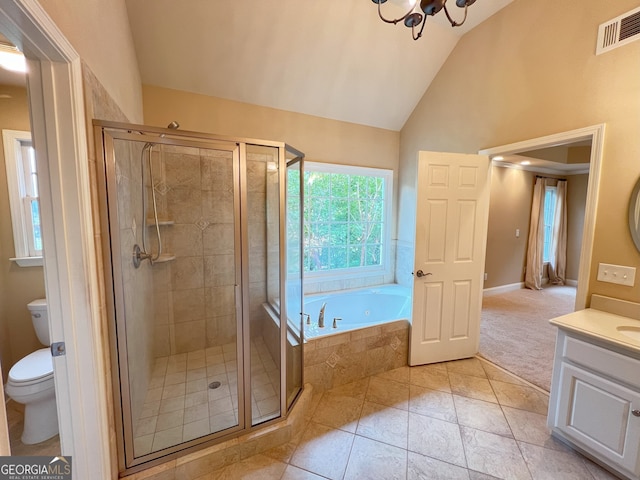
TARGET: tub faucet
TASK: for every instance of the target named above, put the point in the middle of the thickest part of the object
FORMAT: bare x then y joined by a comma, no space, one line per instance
321,315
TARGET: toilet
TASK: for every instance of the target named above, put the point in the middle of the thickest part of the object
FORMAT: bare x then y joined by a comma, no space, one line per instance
31,383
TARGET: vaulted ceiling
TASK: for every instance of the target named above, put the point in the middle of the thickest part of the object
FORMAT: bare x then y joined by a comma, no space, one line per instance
333,58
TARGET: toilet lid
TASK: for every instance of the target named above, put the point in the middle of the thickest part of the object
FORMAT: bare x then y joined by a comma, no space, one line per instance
34,366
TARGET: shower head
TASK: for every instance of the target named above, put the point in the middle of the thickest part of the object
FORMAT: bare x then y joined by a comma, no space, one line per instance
173,126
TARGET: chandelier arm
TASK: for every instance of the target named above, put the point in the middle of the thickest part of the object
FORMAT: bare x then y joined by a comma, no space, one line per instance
451,20
396,20
424,22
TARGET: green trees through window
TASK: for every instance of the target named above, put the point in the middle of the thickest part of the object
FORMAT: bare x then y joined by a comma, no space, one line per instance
345,217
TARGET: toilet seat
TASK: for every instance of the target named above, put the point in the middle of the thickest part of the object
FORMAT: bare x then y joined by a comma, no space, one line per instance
36,367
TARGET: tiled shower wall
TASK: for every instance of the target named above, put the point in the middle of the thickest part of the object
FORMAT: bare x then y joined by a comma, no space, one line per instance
137,283
185,301
195,287
195,291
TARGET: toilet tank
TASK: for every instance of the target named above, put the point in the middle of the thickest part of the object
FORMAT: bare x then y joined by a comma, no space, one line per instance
40,319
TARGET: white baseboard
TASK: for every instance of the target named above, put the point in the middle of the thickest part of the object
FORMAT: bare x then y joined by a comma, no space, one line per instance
502,289
487,292
569,282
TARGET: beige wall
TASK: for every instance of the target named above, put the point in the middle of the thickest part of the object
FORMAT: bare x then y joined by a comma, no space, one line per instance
501,85
576,202
18,285
510,209
320,139
100,33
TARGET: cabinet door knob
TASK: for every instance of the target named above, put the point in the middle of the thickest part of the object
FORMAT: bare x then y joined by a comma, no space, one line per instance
636,412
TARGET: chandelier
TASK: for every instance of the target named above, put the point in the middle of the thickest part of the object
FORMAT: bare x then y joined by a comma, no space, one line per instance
413,18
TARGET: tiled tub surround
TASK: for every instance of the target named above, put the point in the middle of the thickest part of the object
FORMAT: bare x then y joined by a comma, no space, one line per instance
341,358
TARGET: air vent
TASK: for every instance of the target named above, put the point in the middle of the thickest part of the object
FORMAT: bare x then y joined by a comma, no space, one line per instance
619,31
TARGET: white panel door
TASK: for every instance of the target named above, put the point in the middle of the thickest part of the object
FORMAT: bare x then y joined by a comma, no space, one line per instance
451,231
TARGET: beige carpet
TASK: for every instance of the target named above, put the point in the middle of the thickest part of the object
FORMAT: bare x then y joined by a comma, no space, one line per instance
515,332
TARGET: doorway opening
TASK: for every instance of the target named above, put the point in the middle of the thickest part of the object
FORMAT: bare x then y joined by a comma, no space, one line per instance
23,281
71,280
515,333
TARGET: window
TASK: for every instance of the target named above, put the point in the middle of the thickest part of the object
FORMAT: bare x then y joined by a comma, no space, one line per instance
549,218
22,180
346,219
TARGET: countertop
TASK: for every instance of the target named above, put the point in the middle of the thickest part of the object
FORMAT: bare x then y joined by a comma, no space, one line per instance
601,325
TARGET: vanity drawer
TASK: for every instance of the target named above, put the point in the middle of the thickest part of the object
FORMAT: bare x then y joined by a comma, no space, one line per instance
612,364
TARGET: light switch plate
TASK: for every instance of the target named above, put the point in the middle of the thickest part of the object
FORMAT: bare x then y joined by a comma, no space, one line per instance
616,274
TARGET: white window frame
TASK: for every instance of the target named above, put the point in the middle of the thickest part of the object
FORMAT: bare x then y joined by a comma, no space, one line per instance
364,271
26,254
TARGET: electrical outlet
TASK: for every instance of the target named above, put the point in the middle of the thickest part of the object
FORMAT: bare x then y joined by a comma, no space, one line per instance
616,274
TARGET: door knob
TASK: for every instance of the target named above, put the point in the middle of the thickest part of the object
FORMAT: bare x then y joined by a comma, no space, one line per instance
636,413
420,273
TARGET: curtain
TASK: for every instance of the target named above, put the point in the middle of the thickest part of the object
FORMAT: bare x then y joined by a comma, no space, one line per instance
533,273
558,260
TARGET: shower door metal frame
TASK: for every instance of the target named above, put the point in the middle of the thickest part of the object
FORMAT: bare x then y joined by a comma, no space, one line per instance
105,132
283,170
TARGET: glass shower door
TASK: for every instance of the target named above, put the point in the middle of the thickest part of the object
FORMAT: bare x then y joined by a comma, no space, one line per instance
263,234
203,299
179,307
293,280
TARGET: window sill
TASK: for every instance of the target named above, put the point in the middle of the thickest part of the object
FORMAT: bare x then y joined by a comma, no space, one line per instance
28,261
337,274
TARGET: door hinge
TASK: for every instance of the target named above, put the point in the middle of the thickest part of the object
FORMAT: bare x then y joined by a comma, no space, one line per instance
58,349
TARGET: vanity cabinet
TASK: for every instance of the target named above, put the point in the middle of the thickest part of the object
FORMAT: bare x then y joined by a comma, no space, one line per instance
595,400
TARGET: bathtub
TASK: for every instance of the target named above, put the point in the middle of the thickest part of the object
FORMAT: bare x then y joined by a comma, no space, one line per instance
358,308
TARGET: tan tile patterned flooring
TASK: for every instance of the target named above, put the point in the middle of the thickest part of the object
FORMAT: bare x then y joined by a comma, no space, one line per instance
179,406
465,419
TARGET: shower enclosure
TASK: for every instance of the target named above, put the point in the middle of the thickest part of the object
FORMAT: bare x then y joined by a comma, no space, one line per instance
202,240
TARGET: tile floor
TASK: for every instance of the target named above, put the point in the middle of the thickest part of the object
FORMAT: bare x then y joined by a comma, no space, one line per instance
465,419
180,406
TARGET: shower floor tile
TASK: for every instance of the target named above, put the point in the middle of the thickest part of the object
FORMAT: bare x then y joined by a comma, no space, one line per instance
180,406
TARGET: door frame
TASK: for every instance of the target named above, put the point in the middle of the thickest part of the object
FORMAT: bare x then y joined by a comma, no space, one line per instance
595,133
56,106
